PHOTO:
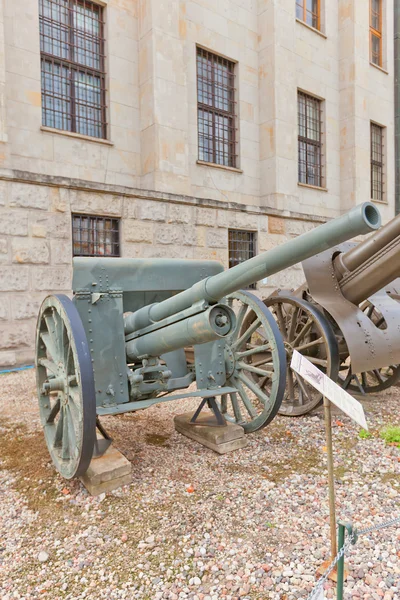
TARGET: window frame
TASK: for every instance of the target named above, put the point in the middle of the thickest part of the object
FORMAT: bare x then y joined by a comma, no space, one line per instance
251,253
319,144
302,4
95,219
376,163
377,33
232,153
71,115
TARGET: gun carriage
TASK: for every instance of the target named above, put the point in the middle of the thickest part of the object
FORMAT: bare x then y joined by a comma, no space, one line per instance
119,345
345,318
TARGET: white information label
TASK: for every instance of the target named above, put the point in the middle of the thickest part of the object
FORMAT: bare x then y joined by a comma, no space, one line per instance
349,405
320,595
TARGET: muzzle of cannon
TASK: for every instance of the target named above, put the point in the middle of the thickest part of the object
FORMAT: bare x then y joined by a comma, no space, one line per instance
350,302
119,345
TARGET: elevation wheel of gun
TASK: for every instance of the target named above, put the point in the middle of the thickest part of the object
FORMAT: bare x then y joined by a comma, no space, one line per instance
64,374
305,329
255,365
376,380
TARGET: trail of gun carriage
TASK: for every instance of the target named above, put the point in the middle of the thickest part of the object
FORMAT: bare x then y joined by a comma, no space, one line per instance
163,447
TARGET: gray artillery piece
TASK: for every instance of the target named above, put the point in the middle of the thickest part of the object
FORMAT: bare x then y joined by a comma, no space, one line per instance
345,318
119,345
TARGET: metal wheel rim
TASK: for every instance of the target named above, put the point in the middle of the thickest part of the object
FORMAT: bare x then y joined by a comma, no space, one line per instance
251,407
68,415
308,398
376,380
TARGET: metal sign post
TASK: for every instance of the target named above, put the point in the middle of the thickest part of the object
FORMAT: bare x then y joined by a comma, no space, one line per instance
331,393
331,475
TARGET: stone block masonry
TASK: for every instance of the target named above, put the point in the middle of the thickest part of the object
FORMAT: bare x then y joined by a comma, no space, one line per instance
36,241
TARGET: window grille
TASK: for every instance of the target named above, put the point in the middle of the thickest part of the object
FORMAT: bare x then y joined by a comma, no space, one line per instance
242,246
310,140
73,66
376,31
376,162
95,236
309,11
216,109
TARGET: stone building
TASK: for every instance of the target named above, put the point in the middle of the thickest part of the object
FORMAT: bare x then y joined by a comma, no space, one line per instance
182,128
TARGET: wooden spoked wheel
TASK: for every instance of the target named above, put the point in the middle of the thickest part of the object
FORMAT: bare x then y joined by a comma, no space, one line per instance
376,380
305,329
255,365
65,386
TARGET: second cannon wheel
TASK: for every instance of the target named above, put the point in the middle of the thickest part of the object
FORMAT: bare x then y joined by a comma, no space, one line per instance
305,329
255,364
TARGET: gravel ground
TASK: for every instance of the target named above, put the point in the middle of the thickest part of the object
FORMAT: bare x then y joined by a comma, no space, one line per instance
254,524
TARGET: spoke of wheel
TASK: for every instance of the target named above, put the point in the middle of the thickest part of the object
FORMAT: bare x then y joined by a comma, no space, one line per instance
281,319
249,331
59,332
378,376
49,365
364,380
71,432
255,350
293,324
239,320
254,388
252,369
48,342
54,411
318,361
65,452
246,401
290,384
262,362
236,407
302,387
224,403
306,328
74,398
75,409
58,436
261,382
309,345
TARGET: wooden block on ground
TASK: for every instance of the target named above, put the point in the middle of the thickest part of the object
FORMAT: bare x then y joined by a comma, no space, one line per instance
220,439
107,473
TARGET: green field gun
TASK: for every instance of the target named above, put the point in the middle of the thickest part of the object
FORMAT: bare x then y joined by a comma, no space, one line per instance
119,345
345,318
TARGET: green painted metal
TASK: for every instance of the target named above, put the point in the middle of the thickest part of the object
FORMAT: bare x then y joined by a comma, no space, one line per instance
209,325
359,220
135,318
65,386
342,528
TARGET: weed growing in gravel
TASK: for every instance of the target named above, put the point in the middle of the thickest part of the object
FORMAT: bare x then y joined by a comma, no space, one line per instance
391,434
364,434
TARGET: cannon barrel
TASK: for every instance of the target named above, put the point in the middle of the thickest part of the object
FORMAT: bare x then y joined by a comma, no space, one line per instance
359,220
371,265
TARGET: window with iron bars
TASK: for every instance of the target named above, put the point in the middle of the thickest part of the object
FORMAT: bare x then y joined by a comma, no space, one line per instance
375,29
377,188
216,109
95,236
241,247
310,140
73,66
309,11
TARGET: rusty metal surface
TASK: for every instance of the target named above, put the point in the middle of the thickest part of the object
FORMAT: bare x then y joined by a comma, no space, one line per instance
369,347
